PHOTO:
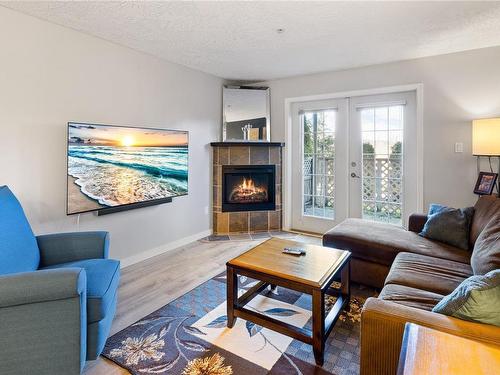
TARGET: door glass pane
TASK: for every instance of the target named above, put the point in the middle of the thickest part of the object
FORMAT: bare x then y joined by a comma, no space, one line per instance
319,163
382,176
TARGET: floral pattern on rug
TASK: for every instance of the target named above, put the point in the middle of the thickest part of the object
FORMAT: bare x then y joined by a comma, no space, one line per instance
189,336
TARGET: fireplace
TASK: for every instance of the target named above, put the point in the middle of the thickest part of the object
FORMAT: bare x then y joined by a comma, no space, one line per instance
248,188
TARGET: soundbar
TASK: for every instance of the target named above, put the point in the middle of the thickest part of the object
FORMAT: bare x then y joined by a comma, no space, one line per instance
132,206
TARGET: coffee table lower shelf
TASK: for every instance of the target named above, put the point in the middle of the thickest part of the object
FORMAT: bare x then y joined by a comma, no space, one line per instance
322,323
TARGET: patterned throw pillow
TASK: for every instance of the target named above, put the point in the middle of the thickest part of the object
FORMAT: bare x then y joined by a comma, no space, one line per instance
476,299
449,225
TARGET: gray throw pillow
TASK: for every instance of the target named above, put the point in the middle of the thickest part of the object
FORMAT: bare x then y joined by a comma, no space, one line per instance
448,225
476,299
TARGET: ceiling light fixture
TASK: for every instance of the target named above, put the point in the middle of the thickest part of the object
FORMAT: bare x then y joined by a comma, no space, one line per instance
280,31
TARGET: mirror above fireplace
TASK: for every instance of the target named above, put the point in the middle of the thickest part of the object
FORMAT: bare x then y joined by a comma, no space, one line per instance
246,114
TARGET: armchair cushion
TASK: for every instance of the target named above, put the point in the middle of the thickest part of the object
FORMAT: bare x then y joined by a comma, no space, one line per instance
69,247
103,276
18,247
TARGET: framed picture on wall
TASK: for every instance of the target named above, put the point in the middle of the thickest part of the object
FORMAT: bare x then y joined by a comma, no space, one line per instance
485,183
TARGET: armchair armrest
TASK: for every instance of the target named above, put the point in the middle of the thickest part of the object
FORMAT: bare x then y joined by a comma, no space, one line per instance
416,222
382,328
42,286
69,247
43,313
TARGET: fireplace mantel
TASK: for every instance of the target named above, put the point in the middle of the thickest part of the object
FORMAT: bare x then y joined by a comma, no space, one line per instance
246,154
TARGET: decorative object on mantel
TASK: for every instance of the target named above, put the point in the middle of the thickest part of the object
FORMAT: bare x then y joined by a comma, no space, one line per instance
246,187
486,143
246,114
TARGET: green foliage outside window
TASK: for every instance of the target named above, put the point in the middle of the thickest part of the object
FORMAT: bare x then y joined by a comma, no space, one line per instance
325,142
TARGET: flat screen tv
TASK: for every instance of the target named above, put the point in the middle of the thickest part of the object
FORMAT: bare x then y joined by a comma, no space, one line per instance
113,166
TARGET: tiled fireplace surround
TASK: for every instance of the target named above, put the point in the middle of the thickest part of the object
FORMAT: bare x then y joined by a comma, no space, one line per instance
237,153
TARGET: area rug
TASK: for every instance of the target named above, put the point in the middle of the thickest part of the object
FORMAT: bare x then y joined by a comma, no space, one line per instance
189,336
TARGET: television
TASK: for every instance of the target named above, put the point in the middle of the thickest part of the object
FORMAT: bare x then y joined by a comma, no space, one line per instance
118,166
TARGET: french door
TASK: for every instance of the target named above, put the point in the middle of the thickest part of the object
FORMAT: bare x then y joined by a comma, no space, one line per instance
319,157
354,157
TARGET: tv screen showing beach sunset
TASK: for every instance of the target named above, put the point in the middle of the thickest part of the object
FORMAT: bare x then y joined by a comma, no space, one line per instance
110,166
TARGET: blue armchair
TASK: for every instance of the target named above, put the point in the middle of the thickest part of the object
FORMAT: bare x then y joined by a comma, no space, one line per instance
58,295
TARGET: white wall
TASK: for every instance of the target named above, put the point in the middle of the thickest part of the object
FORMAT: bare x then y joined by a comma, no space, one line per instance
50,75
457,88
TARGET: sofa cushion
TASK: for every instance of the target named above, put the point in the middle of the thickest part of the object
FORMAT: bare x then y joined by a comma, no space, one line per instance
476,298
448,225
18,248
485,208
103,276
435,275
486,253
408,296
380,242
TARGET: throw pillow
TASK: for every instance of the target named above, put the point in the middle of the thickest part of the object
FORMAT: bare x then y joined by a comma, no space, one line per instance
448,225
486,253
476,299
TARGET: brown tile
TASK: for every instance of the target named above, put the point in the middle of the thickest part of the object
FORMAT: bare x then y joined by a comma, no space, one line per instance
274,220
217,173
259,155
215,156
239,155
258,220
223,155
214,221
217,209
238,222
278,194
278,174
275,155
222,223
216,199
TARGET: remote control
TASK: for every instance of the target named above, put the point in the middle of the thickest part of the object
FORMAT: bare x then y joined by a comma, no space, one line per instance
294,251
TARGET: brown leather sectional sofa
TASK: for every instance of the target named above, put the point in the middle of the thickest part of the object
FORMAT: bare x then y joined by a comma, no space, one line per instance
415,274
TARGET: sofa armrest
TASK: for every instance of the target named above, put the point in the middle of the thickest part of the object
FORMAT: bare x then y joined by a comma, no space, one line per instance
382,328
69,247
416,222
43,313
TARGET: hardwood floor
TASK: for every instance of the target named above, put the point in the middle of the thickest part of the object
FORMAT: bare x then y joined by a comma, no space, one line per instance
153,283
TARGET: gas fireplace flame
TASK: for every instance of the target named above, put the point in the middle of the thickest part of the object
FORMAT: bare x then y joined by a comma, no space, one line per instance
247,191
248,185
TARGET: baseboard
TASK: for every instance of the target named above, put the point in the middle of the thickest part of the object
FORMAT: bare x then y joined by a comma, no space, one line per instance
163,249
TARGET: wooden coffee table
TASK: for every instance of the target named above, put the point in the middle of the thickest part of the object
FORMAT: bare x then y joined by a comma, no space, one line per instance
312,273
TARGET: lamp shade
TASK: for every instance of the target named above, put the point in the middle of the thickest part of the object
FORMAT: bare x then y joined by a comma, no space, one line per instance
486,137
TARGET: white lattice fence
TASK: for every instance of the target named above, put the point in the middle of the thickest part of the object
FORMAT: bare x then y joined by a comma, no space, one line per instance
319,180
382,187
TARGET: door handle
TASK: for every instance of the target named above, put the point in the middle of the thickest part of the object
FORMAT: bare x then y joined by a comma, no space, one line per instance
354,175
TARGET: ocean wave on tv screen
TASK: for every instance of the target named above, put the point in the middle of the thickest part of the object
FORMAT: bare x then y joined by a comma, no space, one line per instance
119,175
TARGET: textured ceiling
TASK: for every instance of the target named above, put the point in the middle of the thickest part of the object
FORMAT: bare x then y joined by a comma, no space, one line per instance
238,40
